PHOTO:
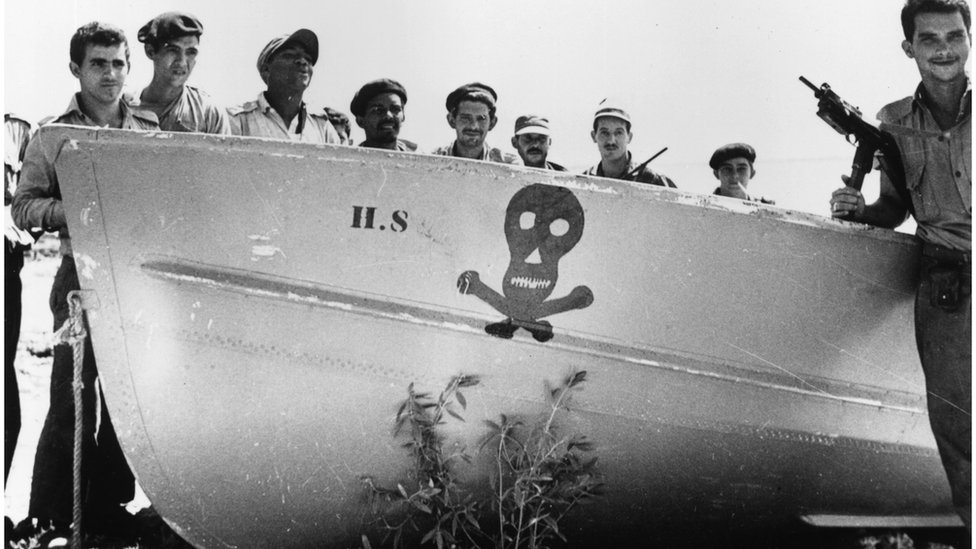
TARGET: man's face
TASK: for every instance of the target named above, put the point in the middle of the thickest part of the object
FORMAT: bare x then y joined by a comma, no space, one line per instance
384,114
533,148
611,137
290,70
102,73
472,123
173,62
732,174
940,46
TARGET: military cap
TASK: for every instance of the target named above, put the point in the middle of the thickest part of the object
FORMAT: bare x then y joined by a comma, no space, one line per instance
730,151
305,37
454,98
608,108
169,25
371,90
531,123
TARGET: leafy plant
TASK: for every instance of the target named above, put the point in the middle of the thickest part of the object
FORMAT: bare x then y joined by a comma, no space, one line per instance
537,477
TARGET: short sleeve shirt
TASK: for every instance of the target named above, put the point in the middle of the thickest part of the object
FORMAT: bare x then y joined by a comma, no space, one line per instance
259,119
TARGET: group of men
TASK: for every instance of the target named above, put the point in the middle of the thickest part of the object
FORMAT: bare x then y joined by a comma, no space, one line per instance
932,128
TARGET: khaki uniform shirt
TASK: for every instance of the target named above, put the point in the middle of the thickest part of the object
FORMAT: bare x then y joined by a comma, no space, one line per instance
488,154
258,119
645,175
37,201
938,168
192,111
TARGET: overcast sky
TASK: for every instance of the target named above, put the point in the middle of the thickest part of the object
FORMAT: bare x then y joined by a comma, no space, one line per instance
694,74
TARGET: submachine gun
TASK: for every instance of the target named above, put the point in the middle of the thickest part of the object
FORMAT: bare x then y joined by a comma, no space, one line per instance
846,119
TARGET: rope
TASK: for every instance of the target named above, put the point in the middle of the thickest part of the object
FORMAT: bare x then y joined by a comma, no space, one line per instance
72,332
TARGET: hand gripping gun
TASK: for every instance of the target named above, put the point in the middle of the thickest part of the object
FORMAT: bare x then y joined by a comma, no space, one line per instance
846,119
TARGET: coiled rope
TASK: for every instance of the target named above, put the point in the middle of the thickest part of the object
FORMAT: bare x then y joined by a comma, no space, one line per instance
72,333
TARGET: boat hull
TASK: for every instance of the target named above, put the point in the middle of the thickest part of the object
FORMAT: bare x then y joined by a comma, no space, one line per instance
258,309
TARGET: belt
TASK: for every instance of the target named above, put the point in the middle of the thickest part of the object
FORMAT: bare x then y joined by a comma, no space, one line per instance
944,255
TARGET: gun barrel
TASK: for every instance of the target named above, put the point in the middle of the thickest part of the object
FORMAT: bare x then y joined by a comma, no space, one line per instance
810,85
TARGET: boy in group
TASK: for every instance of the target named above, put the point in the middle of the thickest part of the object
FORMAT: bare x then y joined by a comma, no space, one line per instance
612,135
172,42
734,167
286,65
100,61
471,114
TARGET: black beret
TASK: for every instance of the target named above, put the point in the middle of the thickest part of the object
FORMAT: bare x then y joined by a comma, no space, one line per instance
730,151
169,25
458,95
371,90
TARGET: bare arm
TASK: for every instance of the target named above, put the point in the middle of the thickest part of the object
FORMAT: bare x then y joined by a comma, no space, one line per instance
889,211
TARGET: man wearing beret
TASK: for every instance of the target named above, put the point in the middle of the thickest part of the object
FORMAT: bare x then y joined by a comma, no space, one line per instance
172,41
471,112
286,65
532,140
612,135
732,165
379,110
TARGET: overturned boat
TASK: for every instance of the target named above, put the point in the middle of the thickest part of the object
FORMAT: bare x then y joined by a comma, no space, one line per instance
258,309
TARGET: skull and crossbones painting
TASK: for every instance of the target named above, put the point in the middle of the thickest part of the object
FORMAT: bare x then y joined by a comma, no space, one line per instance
542,224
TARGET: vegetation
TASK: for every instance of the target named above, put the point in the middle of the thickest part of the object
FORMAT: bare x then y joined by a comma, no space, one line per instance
538,476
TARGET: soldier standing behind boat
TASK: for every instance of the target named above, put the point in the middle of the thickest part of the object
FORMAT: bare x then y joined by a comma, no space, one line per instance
172,43
933,131
612,135
100,62
532,140
286,65
734,167
471,113
379,107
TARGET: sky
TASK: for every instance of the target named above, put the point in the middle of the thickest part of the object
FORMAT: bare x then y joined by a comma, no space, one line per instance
694,75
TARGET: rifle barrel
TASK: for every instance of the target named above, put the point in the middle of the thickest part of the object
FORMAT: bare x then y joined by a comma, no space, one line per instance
810,85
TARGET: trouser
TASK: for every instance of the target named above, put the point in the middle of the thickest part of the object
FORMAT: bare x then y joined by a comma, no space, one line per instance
943,332
13,262
106,481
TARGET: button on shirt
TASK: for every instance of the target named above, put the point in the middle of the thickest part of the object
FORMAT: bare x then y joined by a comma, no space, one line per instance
192,111
938,168
488,154
37,201
258,119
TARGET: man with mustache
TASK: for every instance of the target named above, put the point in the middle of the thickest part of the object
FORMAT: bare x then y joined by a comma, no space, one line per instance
100,61
611,133
532,140
286,65
172,42
734,167
379,110
471,113
933,129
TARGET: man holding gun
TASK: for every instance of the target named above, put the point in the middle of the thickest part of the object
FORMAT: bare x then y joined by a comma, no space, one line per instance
933,133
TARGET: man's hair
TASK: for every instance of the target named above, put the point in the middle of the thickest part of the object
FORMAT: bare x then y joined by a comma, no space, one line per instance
96,33
477,97
915,7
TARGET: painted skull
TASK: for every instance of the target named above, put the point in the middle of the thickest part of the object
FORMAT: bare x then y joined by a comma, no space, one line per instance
542,224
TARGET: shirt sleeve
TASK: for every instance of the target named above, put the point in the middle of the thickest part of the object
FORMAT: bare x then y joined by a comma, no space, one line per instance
37,201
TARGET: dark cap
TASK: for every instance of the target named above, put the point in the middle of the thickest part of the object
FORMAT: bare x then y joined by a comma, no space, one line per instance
531,123
371,90
730,151
468,91
169,25
305,37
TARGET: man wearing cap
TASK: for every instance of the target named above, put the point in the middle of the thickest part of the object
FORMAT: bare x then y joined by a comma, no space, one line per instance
99,56
340,122
172,41
471,112
379,110
611,133
286,65
732,165
532,140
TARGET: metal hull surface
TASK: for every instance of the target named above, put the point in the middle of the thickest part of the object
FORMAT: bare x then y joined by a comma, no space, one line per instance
258,308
